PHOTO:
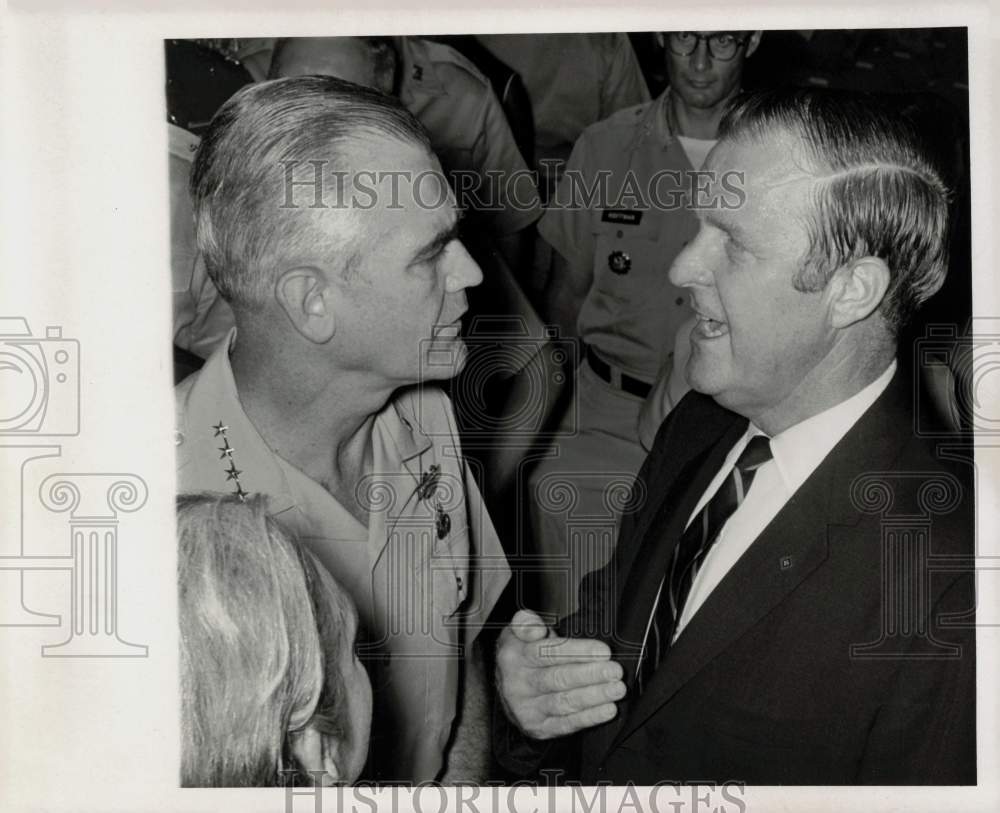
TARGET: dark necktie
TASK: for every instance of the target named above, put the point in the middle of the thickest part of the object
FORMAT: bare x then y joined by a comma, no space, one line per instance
690,552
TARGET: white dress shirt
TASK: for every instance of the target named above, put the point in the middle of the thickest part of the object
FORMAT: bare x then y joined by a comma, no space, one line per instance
796,453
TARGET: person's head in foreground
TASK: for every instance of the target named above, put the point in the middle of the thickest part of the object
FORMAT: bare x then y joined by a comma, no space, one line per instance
271,690
801,288
369,61
327,225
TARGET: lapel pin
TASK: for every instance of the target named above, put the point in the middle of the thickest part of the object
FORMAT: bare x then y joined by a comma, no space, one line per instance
442,521
786,562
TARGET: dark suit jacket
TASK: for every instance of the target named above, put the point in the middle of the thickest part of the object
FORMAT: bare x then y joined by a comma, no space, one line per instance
838,650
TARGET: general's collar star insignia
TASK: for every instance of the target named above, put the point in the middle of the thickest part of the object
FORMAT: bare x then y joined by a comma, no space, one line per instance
232,473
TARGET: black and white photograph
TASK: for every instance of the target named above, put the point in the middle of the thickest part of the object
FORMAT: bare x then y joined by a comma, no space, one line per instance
578,414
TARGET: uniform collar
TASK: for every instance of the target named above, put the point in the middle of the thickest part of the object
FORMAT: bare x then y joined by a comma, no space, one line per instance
181,143
213,399
658,124
416,70
402,429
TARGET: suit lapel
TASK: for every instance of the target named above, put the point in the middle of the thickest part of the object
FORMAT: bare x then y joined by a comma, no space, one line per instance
641,581
791,547
683,448
795,536
673,492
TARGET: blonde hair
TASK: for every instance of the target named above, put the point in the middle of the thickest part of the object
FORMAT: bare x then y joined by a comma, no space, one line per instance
251,659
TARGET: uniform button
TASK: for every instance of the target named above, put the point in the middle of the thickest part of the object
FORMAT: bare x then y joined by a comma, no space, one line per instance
679,300
459,580
620,233
178,438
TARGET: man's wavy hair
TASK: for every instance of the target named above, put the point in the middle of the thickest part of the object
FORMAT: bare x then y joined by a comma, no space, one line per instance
878,194
243,225
253,666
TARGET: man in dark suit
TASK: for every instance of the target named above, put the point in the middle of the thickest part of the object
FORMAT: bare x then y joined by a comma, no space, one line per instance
791,601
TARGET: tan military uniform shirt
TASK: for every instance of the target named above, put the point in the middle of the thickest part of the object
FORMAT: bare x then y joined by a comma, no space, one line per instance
622,244
468,129
425,573
573,81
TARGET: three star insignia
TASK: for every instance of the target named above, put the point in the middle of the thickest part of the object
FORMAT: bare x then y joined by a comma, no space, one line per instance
226,453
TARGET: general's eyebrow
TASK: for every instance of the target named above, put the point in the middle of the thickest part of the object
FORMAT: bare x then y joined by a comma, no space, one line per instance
442,238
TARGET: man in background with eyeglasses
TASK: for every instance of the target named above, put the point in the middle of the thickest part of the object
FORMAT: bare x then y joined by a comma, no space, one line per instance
617,221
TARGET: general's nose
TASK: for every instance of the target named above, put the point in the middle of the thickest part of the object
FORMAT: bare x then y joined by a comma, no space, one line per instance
463,272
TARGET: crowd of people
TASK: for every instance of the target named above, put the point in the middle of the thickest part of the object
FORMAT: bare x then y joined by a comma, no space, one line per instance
527,422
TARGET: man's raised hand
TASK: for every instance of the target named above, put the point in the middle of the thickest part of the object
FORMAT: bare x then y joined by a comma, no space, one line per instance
553,686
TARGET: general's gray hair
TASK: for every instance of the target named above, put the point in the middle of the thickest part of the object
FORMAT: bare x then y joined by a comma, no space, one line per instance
245,229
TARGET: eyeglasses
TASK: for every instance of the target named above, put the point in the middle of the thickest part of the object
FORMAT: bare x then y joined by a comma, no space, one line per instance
721,45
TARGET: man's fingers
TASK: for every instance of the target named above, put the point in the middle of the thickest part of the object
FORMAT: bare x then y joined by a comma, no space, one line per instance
571,723
528,627
564,704
574,675
557,651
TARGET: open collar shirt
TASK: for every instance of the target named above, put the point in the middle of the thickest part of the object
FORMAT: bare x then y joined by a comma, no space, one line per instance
424,574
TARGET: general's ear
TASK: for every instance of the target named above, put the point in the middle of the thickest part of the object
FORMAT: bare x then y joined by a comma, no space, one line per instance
305,296
753,42
316,752
856,290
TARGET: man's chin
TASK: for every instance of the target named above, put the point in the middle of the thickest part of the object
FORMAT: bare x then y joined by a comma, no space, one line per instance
445,360
695,96
703,376
461,357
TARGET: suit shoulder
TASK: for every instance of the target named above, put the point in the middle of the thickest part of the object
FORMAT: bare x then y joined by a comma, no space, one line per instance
696,410
697,420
